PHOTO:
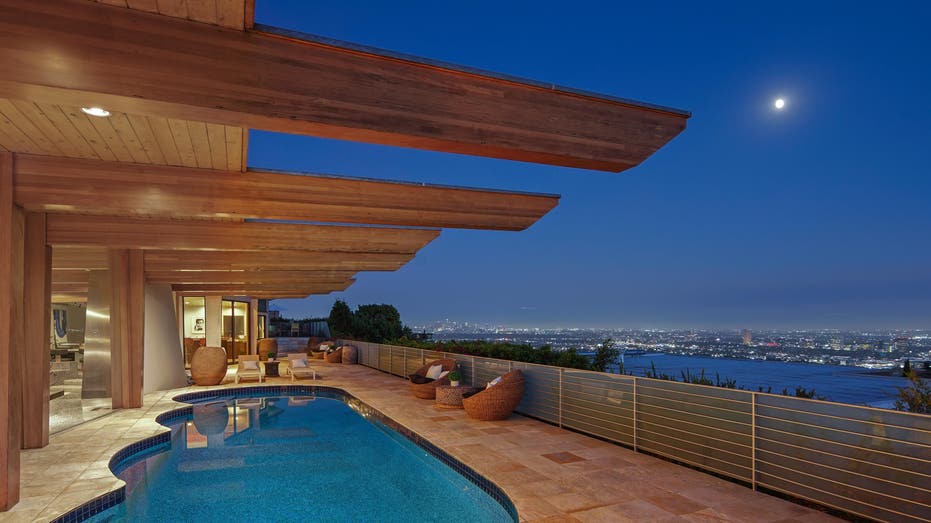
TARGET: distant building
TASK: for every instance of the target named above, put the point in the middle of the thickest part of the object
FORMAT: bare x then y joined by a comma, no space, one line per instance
747,336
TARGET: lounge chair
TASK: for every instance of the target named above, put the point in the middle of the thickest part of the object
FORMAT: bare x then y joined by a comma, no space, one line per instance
498,401
427,391
302,369
249,367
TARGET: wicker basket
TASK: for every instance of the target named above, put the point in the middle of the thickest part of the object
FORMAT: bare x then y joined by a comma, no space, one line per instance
498,402
335,356
427,391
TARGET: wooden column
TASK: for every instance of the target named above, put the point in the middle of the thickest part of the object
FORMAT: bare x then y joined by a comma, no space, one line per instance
11,335
127,327
253,326
37,282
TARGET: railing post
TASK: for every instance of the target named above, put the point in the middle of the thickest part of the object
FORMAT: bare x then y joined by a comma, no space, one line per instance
635,414
561,372
473,371
404,362
390,359
753,439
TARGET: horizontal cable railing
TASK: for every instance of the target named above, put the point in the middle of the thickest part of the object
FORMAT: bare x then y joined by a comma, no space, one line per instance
864,461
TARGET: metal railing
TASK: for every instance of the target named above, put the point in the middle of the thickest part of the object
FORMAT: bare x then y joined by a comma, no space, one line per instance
868,462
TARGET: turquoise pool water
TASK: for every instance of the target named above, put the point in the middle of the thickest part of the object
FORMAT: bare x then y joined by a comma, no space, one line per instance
309,458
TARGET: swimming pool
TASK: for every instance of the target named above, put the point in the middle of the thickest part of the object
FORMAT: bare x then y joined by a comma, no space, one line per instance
294,453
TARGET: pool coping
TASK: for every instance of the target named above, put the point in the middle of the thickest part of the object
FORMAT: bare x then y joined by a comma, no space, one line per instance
130,453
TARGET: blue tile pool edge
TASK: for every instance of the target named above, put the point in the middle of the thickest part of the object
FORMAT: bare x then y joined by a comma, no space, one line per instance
142,448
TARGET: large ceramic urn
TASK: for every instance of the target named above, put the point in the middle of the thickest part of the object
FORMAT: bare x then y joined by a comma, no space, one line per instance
208,365
350,355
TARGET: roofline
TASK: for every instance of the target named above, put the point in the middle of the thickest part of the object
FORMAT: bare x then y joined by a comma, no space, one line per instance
419,60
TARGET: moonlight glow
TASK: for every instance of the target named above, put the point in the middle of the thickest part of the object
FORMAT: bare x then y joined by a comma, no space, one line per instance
779,104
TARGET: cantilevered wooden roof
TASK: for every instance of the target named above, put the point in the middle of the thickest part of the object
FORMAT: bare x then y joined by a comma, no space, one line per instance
166,173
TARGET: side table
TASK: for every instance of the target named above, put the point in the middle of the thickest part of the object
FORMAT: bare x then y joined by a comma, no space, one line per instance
271,368
449,397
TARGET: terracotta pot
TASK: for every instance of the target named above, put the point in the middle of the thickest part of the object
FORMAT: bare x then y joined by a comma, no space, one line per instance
208,365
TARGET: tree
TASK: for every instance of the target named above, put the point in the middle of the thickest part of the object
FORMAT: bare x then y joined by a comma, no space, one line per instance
916,397
377,323
340,320
606,354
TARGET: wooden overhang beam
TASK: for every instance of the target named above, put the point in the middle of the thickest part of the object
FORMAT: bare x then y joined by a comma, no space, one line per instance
156,261
246,277
118,232
49,183
95,258
83,53
248,289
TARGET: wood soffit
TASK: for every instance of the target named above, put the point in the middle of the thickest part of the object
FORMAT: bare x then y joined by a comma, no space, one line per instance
141,63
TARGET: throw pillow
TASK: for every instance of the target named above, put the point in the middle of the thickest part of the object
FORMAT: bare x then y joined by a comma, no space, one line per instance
419,380
250,365
299,364
434,372
493,382
445,372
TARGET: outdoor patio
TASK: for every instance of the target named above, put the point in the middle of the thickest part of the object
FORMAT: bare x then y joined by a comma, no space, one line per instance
550,474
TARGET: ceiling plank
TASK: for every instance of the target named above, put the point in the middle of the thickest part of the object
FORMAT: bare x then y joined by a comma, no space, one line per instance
118,232
79,258
156,261
141,63
70,276
53,183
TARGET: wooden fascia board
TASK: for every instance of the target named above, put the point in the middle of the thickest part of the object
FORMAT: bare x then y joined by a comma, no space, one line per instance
176,260
141,63
50,183
119,232
252,277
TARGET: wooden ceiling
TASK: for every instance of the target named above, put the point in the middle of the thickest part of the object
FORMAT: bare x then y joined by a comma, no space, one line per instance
57,130
235,14
166,172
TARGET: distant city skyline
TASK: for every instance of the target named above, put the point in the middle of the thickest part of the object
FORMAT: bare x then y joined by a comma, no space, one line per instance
813,216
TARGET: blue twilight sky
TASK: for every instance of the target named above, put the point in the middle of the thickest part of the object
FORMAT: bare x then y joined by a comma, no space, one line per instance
814,217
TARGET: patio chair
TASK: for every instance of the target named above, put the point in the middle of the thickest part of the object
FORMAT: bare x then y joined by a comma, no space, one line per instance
248,367
498,401
335,356
427,391
299,367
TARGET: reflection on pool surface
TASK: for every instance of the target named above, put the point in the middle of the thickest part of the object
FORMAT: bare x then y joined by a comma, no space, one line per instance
299,458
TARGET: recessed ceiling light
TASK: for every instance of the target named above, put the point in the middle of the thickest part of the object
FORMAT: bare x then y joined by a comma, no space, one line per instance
96,111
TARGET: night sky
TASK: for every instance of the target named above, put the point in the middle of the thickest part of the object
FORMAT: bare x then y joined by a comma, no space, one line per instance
817,216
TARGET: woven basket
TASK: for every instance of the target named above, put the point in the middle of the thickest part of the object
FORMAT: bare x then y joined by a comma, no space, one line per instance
498,402
427,391
335,356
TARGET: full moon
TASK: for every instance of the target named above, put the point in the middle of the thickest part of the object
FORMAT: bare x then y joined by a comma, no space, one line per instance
779,103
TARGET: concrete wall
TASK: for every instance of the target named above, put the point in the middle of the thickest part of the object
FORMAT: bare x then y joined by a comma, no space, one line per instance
163,364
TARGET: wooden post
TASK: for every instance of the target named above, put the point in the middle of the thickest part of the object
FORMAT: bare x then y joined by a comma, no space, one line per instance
11,336
253,326
127,327
37,278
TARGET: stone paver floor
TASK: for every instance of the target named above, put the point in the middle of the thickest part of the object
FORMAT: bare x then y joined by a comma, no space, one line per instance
551,475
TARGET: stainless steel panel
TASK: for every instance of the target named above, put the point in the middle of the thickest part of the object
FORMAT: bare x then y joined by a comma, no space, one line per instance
96,380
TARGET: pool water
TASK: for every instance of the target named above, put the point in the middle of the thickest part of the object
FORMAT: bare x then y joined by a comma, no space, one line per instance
294,459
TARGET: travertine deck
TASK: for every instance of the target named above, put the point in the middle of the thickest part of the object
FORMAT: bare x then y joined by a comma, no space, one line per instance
551,474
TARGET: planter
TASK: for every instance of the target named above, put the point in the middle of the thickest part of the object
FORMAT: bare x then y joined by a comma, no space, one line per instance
208,365
454,383
350,355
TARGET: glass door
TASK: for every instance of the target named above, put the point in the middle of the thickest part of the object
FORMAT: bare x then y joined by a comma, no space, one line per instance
195,325
235,335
